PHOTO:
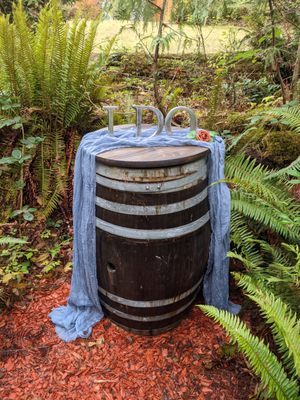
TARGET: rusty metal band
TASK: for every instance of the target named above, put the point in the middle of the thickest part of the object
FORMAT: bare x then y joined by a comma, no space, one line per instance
154,234
149,304
152,174
158,187
151,210
154,318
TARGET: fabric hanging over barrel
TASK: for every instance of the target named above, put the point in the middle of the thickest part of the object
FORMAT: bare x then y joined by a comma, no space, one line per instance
83,308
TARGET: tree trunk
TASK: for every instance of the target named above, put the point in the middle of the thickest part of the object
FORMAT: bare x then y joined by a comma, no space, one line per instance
157,96
284,88
296,72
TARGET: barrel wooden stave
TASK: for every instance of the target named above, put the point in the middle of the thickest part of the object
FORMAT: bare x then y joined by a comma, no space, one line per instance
162,264
147,285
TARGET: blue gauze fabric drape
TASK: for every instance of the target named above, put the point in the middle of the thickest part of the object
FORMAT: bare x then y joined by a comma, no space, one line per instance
83,309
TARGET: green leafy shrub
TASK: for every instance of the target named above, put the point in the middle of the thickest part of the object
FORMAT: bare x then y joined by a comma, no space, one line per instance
32,7
257,90
23,261
48,70
15,261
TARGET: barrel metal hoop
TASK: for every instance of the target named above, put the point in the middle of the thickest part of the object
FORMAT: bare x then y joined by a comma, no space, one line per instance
158,187
148,319
151,210
149,304
154,234
147,175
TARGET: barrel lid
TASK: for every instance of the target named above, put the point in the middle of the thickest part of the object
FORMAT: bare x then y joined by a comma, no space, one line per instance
151,157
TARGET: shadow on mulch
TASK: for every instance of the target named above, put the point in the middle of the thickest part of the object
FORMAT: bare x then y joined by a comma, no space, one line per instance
185,363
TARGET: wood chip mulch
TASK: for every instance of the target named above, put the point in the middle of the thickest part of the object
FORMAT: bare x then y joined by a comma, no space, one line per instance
185,363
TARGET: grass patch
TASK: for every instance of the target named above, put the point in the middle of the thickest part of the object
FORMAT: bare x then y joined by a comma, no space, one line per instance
216,37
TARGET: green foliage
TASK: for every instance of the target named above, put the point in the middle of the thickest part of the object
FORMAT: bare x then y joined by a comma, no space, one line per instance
261,286
264,363
261,200
21,261
276,268
16,158
284,323
257,90
9,240
49,68
291,170
16,260
25,211
197,12
32,7
215,101
48,71
272,136
287,115
139,10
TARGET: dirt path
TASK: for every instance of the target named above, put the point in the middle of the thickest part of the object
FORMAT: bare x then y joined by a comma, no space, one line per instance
113,364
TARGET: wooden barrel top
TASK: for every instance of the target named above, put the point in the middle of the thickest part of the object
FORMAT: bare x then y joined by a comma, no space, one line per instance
151,157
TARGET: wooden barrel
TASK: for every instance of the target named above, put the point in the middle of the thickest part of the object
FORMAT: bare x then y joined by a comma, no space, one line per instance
153,234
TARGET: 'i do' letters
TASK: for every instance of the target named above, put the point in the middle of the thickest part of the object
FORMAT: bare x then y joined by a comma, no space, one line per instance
161,121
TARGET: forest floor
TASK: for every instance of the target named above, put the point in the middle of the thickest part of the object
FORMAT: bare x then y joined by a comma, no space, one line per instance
193,361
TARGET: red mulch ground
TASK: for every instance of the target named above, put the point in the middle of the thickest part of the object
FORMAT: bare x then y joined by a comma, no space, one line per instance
113,364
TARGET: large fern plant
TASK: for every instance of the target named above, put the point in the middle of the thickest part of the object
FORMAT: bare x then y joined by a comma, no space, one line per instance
259,203
49,69
278,374
278,268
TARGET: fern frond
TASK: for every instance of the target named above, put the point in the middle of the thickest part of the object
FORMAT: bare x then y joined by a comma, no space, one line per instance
243,237
284,323
291,169
49,68
8,55
253,177
239,137
264,201
262,360
287,115
9,240
52,203
267,215
247,260
25,63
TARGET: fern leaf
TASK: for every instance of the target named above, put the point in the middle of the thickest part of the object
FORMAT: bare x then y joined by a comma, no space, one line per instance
262,360
284,323
266,215
264,201
289,170
9,240
288,115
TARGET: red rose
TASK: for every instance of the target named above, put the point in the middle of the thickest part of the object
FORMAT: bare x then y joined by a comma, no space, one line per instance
203,135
